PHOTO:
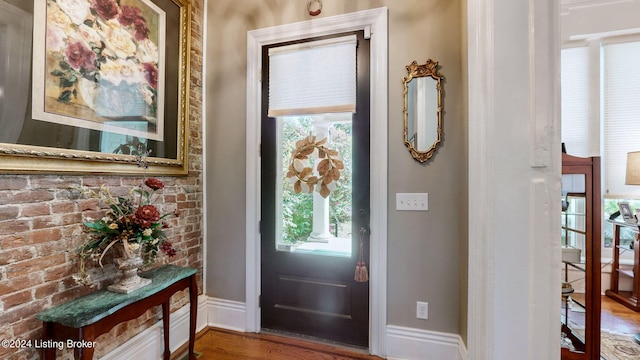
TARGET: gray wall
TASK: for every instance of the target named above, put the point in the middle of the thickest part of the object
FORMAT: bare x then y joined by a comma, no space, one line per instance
427,258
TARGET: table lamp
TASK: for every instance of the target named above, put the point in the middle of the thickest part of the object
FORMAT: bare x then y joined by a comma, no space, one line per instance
632,176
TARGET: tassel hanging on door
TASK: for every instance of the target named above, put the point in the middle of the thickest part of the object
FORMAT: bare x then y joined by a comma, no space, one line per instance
362,275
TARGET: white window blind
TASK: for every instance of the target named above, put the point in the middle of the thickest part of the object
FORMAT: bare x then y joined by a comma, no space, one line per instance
575,100
621,96
313,78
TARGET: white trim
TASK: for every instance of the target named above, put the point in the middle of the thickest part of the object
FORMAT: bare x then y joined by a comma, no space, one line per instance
227,314
480,322
402,342
498,284
375,20
149,344
573,5
410,343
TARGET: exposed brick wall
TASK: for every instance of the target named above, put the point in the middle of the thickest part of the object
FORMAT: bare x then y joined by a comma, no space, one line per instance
41,226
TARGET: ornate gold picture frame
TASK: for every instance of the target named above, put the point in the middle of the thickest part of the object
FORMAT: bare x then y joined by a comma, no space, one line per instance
64,130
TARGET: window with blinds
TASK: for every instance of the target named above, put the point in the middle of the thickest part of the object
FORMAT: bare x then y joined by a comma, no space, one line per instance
575,100
621,114
619,97
316,77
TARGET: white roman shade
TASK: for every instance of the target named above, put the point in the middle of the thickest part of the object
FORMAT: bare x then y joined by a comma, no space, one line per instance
621,95
575,100
316,77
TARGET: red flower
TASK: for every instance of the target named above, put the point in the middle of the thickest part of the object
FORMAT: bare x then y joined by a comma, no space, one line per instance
168,249
142,31
78,56
151,74
154,183
107,9
146,215
129,15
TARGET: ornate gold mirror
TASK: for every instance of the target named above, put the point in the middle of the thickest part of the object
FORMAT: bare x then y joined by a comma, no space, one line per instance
422,109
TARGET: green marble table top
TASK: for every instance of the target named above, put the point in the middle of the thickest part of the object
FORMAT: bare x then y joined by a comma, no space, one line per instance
97,305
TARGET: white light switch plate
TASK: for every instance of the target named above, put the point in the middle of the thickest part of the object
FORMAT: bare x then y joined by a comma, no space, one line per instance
412,201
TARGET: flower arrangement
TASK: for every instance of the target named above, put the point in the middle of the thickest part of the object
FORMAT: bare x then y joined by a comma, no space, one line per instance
132,220
103,56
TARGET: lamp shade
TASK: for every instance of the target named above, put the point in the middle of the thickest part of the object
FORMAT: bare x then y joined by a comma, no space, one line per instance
633,168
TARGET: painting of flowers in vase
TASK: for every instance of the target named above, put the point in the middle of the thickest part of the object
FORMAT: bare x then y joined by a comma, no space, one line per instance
99,64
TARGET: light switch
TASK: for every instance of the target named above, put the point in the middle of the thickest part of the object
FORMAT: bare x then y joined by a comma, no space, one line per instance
412,201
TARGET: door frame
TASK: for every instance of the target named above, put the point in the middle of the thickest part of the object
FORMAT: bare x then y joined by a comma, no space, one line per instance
374,23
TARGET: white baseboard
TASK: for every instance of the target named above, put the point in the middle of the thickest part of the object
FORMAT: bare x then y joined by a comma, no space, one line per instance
227,314
149,344
410,343
402,343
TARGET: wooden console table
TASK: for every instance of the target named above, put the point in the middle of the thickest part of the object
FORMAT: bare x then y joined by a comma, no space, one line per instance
80,321
626,298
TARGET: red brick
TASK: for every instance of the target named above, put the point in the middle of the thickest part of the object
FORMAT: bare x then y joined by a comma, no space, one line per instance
15,255
8,286
25,197
13,226
44,222
25,267
22,312
4,352
18,298
74,233
44,235
68,295
51,182
70,219
31,210
62,207
81,290
58,272
88,204
29,328
47,289
9,213
186,205
13,183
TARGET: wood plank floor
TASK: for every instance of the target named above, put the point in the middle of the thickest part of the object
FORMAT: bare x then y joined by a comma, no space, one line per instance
615,317
221,344
619,318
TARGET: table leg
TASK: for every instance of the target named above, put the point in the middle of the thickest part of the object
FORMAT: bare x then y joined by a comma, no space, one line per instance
165,326
48,353
193,314
84,334
82,353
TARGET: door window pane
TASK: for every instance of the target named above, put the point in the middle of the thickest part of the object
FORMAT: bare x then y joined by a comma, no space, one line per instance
307,222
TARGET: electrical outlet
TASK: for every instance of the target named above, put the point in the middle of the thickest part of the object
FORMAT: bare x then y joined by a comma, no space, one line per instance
422,310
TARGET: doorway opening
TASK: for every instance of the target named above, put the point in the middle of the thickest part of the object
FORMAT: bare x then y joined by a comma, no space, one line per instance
374,23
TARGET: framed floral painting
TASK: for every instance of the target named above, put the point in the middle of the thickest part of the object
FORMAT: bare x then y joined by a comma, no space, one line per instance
101,66
109,81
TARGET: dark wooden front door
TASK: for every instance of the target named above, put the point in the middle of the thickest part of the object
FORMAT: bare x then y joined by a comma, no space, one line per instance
308,286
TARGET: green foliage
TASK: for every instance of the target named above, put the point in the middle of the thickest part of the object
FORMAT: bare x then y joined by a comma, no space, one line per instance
297,209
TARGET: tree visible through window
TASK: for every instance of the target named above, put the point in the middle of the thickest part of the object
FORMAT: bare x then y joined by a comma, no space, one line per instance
297,209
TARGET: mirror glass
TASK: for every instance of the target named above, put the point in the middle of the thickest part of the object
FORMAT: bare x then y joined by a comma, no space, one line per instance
423,109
